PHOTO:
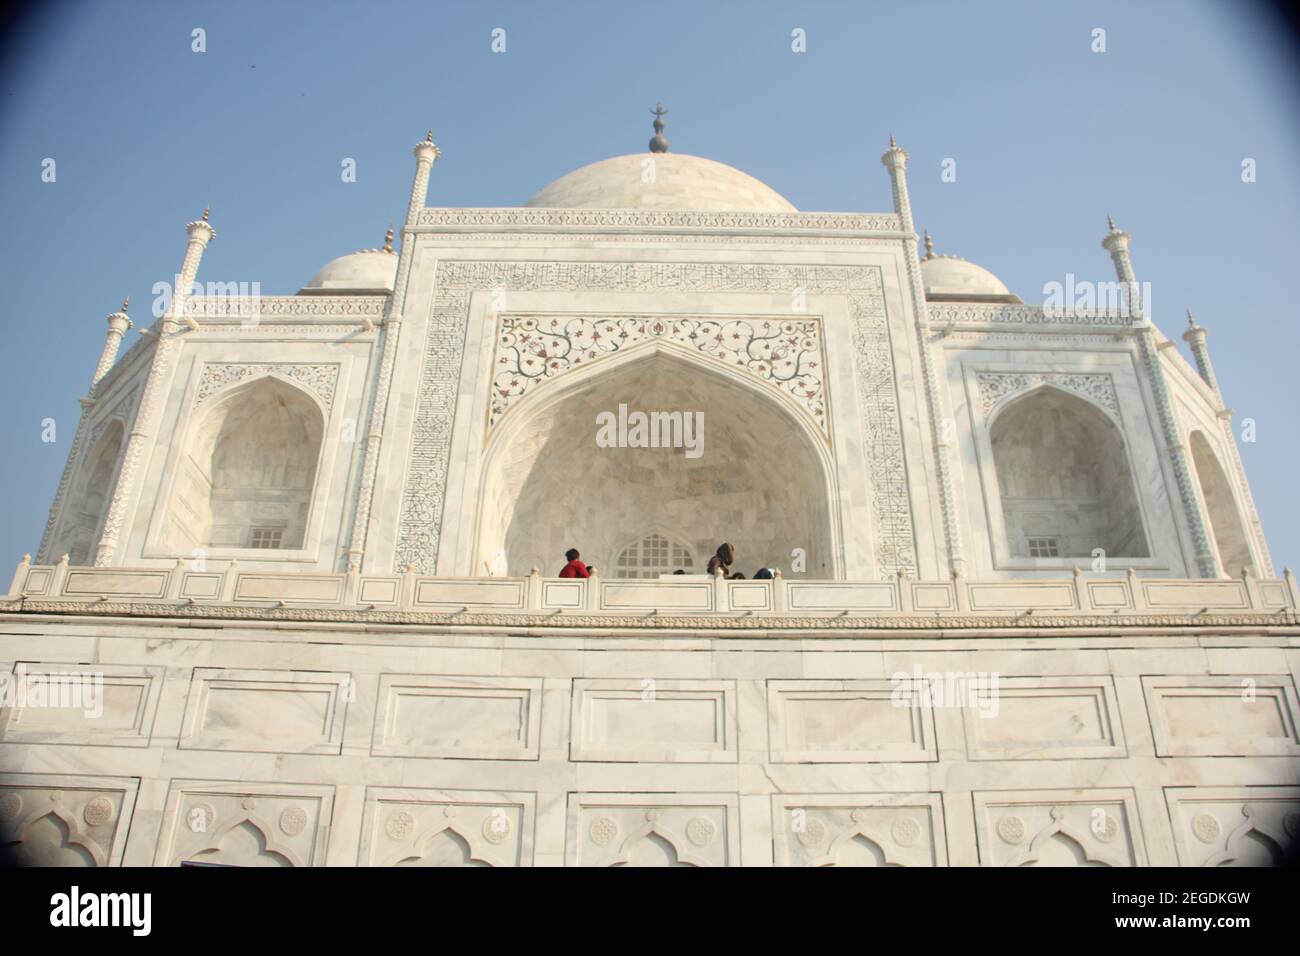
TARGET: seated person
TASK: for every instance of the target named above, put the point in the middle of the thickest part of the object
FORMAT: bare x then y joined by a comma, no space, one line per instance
720,563
575,568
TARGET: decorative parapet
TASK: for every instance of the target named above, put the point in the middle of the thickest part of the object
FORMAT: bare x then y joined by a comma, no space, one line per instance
261,308
650,220
686,602
943,314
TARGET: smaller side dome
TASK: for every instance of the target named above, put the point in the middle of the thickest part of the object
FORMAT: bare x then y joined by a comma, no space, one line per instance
367,272
950,279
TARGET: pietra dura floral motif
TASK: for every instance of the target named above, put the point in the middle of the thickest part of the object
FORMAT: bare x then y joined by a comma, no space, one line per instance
532,349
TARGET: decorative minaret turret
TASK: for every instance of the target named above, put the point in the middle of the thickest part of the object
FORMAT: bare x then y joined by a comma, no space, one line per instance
118,323
895,160
1116,243
200,233
426,154
1195,337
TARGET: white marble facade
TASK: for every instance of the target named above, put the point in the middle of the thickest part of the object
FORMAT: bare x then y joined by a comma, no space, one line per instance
362,492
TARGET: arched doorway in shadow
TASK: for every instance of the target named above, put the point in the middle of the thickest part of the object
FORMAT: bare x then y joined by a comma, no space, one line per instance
248,470
1064,479
1225,520
759,480
89,503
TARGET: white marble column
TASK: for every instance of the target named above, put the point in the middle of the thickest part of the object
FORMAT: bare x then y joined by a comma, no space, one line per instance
1116,243
895,160
426,154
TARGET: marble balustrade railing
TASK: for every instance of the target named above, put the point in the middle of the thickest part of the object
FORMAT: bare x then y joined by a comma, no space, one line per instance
691,595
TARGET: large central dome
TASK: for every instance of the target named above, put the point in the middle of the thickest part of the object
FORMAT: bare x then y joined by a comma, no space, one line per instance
661,181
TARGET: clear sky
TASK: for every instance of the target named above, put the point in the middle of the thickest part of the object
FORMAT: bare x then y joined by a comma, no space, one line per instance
1048,136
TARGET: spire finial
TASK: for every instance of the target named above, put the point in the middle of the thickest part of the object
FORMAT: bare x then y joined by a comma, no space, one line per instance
892,143
1110,221
1191,322
388,239
206,210
658,144
125,303
929,245
428,137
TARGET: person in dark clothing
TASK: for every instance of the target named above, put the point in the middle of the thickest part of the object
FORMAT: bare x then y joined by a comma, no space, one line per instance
763,574
720,563
679,571
575,568
737,577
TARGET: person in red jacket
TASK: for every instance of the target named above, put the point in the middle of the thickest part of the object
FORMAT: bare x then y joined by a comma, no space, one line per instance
575,568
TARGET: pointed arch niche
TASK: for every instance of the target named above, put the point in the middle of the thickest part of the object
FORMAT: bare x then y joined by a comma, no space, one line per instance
89,501
1064,480
248,470
1230,538
762,481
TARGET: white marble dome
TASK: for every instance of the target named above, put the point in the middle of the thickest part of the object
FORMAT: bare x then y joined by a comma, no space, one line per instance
369,271
948,278
680,182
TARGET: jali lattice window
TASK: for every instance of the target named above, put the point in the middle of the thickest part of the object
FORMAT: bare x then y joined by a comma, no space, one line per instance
652,556
266,538
1044,547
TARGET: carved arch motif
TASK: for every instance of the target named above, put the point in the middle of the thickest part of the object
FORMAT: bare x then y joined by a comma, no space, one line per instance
71,834
318,380
651,831
473,845
270,845
788,355
1253,829
997,388
1091,846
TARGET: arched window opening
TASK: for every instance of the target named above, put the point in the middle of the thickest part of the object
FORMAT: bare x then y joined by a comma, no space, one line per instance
1064,480
759,482
1225,521
88,504
247,476
652,556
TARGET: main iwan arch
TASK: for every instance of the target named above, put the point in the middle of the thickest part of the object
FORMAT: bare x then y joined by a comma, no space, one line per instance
763,479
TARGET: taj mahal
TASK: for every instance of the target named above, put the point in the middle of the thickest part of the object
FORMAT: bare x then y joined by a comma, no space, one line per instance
299,602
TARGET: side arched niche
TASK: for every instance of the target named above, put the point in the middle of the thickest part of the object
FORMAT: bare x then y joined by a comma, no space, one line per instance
1064,479
248,469
760,482
1225,520
89,501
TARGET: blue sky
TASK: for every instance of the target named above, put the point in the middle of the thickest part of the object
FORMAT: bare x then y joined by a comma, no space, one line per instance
1048,136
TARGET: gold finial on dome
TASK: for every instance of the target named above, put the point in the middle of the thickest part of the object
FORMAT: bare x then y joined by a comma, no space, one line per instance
658,144
206,210
126,302
929,245
388,239
428,137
